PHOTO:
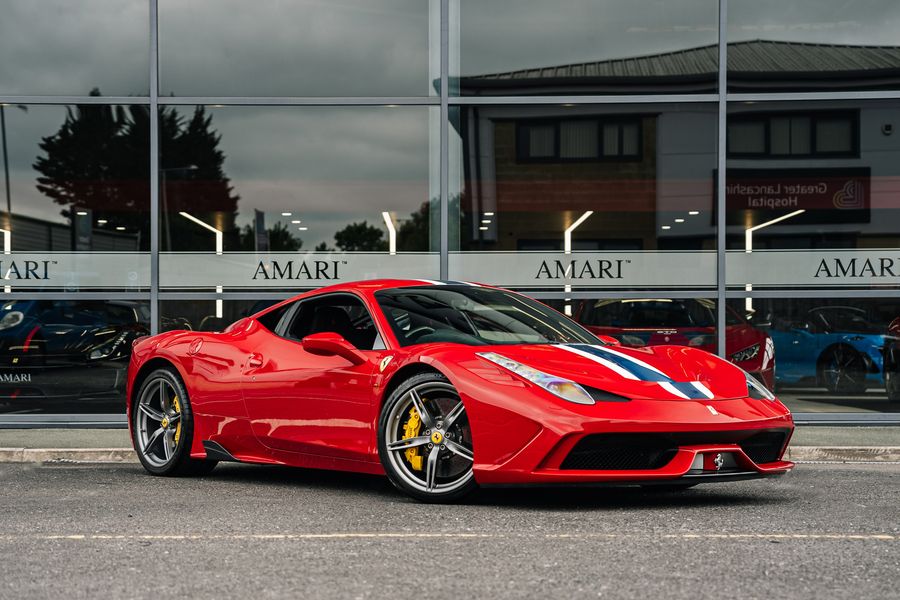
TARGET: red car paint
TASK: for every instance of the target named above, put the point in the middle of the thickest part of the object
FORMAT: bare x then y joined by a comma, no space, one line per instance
739,333
267,400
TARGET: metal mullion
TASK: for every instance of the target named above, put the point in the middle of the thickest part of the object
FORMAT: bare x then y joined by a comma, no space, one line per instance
624,294
445,141
176,295
74,100
154,167
39,295
301,101
721,166
812,96
622,99
815,293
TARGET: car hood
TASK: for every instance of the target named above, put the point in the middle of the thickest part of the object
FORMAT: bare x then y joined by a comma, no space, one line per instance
653,372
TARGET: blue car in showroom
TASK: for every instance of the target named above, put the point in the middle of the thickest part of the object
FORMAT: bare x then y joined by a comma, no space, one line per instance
837,347
67,355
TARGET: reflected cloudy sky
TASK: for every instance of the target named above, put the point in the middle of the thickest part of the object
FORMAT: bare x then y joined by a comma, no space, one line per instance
296,47
336,165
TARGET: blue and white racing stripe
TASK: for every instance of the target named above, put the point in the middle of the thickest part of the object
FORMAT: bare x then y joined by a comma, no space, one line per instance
636,369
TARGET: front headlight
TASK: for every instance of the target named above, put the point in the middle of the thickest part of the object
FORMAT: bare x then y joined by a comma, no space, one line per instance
558,386
702,340
757,390
745,354
11,319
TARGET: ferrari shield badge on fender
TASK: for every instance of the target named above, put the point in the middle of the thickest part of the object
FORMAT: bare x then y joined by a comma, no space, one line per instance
384,363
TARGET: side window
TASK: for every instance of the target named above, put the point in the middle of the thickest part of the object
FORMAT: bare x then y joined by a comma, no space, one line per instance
344,315
270,319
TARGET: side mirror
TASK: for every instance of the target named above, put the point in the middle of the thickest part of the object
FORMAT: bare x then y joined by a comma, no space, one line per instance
608,339
332,344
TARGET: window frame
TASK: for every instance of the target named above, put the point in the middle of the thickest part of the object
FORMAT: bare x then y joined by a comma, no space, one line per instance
288,317
814,116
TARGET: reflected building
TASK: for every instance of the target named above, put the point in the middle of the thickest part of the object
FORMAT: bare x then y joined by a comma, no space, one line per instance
570,150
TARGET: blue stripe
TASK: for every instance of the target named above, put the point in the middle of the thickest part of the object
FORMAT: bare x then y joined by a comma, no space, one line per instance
689,390
642,373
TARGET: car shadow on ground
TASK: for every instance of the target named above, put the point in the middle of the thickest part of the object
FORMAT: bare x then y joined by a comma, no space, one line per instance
526,498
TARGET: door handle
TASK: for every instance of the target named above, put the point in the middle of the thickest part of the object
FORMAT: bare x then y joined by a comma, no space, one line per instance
254,360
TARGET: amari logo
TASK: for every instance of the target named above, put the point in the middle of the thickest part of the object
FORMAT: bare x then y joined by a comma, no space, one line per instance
859,268
314,270
15,377
26,269
581,269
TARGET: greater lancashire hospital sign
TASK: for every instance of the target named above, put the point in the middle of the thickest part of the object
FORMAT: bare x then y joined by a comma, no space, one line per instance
528,270
826,195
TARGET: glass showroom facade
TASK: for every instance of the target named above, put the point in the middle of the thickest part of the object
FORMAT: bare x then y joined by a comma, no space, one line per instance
722,174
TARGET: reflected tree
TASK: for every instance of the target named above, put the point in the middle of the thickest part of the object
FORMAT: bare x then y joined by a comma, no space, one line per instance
97,163
360,237
280,238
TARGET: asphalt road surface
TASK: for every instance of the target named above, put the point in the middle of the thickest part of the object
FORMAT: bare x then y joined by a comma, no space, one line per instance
823,531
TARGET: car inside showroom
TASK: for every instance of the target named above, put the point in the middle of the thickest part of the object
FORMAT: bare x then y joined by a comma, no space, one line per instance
658,177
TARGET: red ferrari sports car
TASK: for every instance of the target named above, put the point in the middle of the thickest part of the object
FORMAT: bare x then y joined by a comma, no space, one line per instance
445,386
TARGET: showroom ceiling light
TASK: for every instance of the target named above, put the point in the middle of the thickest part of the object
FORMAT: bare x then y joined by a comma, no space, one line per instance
286,214
666,227
748,248
81,213
679,220
567,248
219,248
693,212
488,214
102,221
7,249
392,232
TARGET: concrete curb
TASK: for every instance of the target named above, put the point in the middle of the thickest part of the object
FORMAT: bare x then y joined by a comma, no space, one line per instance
80,455
844,453
849,454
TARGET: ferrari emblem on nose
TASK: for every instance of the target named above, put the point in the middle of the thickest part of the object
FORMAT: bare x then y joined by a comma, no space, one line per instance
719,461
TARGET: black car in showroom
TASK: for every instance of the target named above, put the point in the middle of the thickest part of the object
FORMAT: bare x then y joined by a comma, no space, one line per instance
67,355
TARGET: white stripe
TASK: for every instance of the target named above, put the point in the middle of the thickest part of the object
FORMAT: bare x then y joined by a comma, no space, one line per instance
632,359
472,284
606,363
432,282
672,389
703,389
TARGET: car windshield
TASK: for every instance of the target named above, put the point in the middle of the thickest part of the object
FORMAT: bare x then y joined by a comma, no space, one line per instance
474,316
847,320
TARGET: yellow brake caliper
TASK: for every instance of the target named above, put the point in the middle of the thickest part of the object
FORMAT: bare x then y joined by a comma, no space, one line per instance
177,425
410,430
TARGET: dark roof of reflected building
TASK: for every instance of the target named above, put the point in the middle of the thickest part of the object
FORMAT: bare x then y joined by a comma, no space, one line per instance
752,64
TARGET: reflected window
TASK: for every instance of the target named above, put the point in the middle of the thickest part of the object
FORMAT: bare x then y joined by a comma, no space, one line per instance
806,135
579,140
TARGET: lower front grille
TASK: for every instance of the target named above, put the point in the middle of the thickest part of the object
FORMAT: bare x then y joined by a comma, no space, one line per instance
625,452
649,451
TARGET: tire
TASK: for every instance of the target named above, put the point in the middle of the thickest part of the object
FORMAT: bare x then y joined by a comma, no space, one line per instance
426,415
892,385
166,450
843,370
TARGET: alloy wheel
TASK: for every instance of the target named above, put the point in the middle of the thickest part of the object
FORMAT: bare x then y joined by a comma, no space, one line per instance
428,439
158,422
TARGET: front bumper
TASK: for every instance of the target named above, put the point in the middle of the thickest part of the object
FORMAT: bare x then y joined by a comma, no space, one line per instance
697,432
